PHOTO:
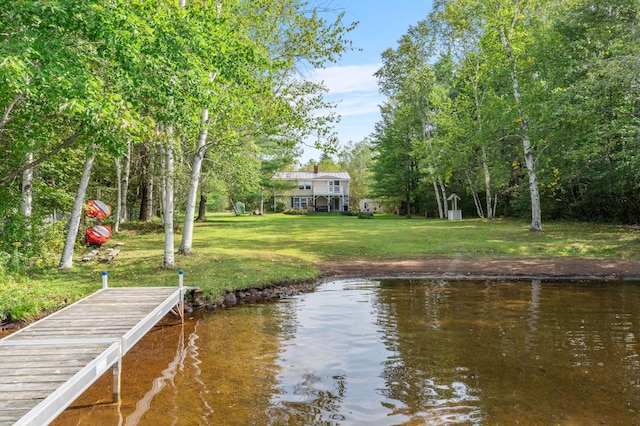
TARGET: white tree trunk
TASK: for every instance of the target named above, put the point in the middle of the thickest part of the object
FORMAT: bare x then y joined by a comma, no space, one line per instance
487,183
261,212
435,189
536,215
124,214
66,261
235,210
485,167
150,184
196,166
476,198
164,167
116,225
444,198
26,205
169,258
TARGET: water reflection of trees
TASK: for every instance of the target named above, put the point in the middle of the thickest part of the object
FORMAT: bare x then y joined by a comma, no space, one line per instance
426,380
556,351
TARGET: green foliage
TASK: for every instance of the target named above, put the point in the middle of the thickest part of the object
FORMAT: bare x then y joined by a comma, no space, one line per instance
355,159
28,242
594,109
412,137
559,76
216,201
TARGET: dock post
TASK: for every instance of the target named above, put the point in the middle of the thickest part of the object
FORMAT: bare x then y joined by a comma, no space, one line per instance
181,285
117,380
104,279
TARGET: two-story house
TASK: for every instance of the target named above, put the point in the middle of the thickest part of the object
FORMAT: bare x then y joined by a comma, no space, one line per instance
319,191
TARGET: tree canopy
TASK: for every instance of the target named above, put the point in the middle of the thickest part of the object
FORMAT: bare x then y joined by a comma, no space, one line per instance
212,84
532,105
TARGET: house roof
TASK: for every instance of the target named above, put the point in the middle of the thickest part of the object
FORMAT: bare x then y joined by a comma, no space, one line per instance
312,176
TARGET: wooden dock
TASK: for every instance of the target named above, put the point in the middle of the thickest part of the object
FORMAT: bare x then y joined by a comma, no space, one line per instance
49,364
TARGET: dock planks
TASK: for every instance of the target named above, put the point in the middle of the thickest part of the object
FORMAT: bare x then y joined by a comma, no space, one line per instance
47,365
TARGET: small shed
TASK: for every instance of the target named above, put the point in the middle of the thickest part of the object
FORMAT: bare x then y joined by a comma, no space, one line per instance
371,206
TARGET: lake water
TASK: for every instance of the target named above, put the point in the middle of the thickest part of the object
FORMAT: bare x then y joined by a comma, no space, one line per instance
390,352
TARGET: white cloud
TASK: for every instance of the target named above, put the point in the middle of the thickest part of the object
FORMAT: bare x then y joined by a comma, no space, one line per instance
360,103
352,88
347,79
354,91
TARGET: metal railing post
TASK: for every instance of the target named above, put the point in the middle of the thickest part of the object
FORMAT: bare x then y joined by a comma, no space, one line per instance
181,285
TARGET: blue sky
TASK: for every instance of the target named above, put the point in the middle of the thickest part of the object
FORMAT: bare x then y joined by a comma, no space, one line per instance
351,83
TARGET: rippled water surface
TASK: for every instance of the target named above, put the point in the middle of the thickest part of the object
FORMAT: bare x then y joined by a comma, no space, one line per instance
387,353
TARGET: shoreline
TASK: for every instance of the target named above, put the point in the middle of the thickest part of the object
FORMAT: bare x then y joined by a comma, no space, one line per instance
458,268
467,268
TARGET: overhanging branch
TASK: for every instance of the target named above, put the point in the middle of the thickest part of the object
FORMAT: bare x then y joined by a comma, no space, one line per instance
66,143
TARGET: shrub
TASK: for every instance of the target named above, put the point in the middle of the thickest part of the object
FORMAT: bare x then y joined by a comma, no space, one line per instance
295,212
29,242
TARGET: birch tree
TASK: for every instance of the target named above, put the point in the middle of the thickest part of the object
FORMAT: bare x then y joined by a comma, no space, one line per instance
510,19
194,181
27,188
116,225
169,258
66,260
505,28
124,185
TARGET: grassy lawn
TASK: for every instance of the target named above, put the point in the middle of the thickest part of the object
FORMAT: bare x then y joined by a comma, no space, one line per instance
238,252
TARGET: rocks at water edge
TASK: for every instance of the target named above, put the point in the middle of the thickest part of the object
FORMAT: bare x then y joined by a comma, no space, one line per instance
249,295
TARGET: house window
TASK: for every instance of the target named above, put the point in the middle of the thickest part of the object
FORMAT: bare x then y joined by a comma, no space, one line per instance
304,184
300,203
334,187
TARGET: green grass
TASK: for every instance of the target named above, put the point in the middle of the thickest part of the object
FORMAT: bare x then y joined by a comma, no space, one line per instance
237,252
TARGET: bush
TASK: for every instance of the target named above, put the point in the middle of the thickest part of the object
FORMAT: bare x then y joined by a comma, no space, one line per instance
295,212
363,215
29,242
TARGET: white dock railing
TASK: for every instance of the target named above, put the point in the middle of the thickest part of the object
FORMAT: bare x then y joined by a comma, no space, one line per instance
50,363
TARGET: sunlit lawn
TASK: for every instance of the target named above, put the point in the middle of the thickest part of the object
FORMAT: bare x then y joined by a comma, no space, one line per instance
238,252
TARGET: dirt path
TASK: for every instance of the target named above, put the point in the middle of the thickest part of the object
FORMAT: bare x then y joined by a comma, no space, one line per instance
481,268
